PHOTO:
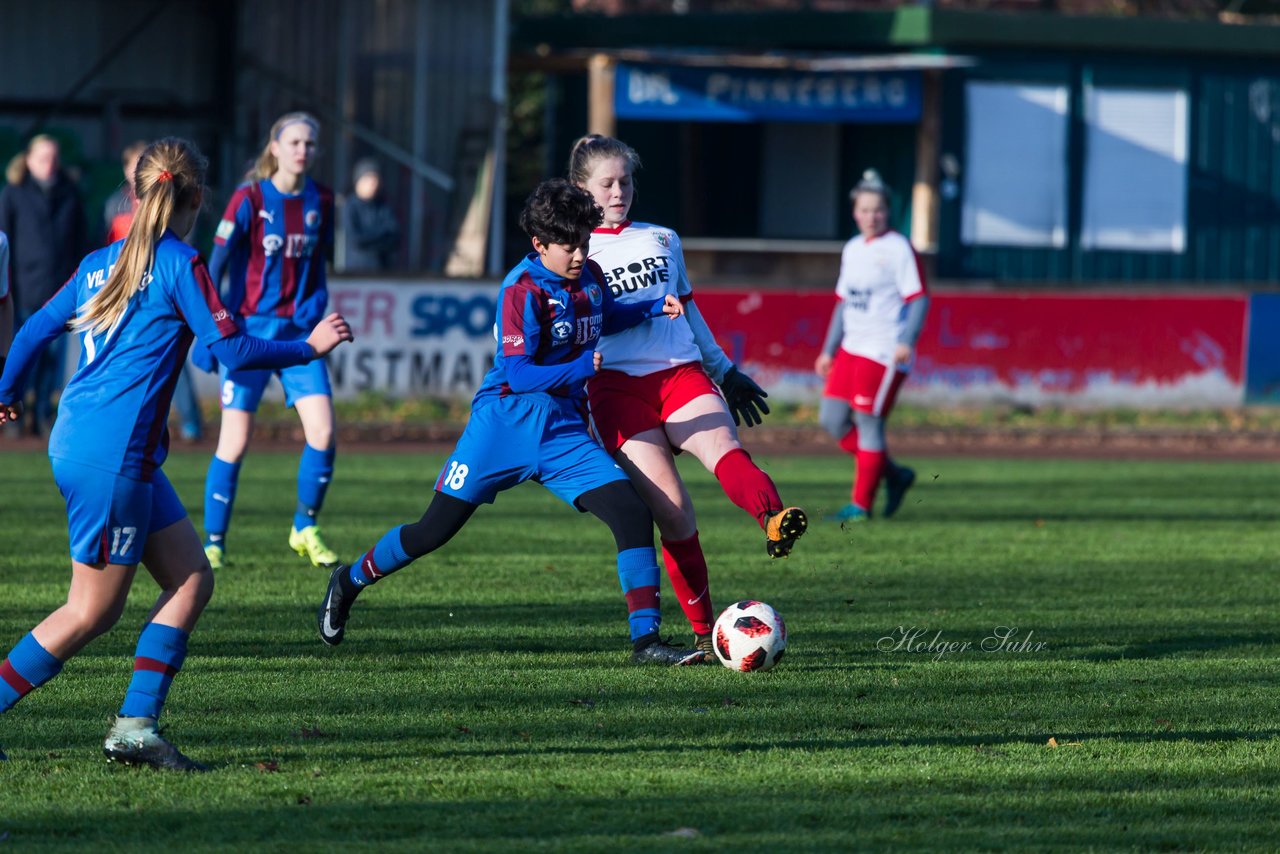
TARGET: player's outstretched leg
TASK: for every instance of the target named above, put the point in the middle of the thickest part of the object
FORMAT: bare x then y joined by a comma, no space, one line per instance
137,741
397,548
749,487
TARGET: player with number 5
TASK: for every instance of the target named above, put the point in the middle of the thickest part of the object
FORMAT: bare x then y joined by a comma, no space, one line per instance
135,305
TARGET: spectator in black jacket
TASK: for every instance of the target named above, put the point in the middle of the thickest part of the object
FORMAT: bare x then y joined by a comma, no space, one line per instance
41,211
370,233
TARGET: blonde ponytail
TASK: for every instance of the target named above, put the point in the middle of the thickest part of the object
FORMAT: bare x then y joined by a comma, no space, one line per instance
266,165
170,174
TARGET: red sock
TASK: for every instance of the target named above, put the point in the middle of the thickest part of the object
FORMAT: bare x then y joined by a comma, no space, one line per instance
687,569
870,467
748,486
849,444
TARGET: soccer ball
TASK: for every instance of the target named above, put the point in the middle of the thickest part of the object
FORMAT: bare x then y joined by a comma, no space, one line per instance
749,635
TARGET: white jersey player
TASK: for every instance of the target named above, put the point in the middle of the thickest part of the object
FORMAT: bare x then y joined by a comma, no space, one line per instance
656,392
870,346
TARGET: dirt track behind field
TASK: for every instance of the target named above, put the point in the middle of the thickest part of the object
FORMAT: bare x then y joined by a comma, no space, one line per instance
906,442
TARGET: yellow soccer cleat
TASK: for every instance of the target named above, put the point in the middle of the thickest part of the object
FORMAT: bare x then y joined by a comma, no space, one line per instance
308,544
782,531
215,555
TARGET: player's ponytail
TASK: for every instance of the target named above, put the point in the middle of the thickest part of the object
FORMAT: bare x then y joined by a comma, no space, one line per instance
871,183
592,147
266,164
169,176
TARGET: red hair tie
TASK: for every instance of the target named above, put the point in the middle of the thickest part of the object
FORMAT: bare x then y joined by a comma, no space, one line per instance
166,175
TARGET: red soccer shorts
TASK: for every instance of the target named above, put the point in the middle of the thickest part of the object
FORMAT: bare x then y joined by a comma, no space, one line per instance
868,385
623,406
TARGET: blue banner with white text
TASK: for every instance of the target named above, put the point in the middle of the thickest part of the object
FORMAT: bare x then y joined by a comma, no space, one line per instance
677,93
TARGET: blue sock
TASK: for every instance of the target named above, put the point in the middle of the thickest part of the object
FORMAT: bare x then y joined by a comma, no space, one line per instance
638,572
161,651
219,496
384,558
315,470
28,666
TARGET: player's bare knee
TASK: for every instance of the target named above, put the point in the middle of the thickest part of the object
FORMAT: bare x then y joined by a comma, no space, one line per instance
319,437
675,520
201,584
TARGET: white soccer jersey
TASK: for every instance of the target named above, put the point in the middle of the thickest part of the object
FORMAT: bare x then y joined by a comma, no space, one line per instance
644,262
878,277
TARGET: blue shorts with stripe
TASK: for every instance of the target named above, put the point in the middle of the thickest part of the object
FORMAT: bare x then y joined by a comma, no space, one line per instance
520,437
243,389
110,516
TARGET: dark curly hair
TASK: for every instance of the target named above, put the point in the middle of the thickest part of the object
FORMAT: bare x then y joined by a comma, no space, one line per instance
558,212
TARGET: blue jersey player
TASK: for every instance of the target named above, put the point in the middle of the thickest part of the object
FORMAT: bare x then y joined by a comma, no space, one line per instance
272,243
527,422
136,305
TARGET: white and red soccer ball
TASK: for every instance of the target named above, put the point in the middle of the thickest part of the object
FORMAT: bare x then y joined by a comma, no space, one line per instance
749,636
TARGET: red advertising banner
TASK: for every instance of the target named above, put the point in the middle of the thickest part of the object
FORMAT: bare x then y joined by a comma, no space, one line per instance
1023,347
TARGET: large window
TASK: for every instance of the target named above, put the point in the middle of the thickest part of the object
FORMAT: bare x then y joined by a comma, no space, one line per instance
1015,191
1135,170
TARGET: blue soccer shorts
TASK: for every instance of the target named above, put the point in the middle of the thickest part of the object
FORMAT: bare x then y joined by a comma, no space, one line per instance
513,439
243,389
110,516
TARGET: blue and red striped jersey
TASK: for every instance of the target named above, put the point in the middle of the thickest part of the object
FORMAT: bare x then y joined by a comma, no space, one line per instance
113,412
274,247
549,320
547,329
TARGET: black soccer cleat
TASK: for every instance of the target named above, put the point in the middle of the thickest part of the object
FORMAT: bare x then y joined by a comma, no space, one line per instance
783,529
137,741
331,619
652,649
895,487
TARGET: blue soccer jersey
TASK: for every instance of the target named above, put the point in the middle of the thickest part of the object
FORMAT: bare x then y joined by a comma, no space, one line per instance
112,415
551,322
274,247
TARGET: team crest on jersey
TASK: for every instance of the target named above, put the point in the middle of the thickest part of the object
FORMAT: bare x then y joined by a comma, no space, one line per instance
593,294
663,238
561,329
272,243
312,219
226,228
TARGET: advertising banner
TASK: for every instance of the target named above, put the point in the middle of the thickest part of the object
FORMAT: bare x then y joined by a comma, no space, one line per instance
682,93
1022,348
435,339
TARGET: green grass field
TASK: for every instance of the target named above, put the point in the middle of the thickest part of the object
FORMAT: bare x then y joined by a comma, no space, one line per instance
482,700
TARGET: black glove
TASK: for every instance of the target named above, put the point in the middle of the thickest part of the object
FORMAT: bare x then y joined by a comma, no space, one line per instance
745,398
